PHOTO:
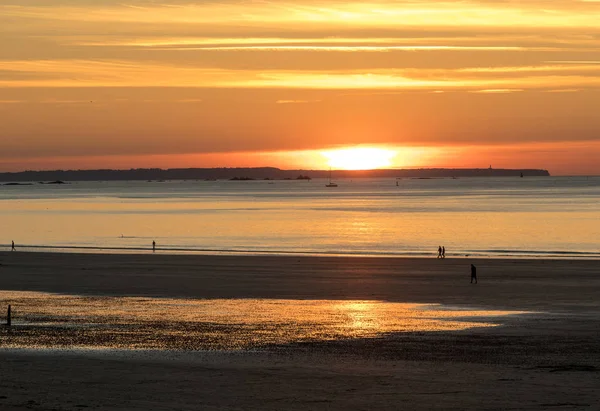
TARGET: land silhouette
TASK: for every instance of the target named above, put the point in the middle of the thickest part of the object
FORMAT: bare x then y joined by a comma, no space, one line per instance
257,173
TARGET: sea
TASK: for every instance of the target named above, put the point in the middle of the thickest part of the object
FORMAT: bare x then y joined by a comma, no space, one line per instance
531,217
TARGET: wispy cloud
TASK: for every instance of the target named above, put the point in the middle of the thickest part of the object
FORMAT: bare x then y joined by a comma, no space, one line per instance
333,13
563,90
296,101
409,37
321,48
312,44
574,62
497,90
52,101
557,68
85,73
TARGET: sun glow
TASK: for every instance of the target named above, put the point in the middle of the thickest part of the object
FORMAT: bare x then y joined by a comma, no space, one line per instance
360,158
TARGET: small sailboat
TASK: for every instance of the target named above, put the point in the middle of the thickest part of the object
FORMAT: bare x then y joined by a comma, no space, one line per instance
330,183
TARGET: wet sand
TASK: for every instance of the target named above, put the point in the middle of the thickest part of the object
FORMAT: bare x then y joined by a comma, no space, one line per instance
546,360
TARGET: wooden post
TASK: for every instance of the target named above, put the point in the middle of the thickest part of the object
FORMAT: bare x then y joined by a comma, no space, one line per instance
8,317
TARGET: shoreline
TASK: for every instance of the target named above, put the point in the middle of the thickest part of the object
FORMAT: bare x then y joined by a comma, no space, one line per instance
473,254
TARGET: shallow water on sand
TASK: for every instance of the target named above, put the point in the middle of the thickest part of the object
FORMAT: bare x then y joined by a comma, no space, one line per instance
53,321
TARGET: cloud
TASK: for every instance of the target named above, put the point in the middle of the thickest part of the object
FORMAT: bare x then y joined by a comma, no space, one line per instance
348,49
497,91
563,90
531,69
332,13
91,73
585,62
296,101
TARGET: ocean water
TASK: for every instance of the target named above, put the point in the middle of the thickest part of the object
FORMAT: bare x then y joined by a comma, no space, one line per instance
496,217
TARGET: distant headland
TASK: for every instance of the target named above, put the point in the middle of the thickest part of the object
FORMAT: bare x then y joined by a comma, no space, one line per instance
258,173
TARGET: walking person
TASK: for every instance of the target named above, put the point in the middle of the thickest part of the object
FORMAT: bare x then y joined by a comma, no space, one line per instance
153,246
13,247
439,252
444,252
473,274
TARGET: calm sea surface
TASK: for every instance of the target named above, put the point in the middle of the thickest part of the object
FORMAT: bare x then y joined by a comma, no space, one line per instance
546,216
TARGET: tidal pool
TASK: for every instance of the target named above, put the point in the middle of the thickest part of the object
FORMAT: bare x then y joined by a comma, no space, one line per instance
65,321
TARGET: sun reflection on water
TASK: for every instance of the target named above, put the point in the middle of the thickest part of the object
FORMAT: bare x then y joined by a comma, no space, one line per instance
52,321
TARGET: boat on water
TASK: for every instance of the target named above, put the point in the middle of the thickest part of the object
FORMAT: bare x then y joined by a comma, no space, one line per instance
330,184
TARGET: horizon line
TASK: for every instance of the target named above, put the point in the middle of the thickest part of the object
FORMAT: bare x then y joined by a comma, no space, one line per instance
265,167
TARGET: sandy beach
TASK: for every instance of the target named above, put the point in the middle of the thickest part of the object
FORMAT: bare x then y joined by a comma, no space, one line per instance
546,358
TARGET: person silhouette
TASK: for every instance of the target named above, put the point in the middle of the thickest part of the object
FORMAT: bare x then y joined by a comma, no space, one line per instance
153,246
443,252
13,247
439,252
473,274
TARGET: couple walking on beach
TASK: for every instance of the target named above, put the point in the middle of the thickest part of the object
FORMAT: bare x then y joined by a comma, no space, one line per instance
441,252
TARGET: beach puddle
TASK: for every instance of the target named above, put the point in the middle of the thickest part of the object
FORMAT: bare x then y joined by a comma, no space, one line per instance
56,321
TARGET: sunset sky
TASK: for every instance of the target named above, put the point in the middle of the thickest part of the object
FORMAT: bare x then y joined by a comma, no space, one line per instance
176,83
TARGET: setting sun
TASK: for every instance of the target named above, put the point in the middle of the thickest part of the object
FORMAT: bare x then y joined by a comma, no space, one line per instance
360,158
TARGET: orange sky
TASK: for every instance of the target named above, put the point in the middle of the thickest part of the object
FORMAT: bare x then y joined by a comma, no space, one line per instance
190,83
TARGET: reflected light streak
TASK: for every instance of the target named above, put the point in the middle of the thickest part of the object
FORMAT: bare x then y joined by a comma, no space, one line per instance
53,321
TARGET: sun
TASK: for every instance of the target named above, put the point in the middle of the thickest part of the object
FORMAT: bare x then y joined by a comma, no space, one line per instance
359,158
